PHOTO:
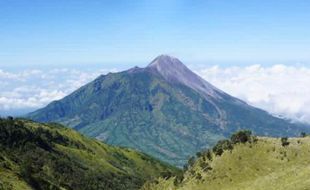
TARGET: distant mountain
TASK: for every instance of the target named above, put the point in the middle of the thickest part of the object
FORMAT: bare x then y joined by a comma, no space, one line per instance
165,110
267,163
50,156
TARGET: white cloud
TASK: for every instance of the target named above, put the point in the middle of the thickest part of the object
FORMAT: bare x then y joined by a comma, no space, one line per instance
32,89
279,89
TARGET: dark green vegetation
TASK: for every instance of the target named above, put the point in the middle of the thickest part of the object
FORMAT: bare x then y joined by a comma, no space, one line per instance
246,162
153,110
49,156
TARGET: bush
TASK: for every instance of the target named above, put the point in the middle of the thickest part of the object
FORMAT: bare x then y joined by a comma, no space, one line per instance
221,146
198,176
166,174
199,154
191,161
303,134
284,141
205,166
241,137
178,179
209,155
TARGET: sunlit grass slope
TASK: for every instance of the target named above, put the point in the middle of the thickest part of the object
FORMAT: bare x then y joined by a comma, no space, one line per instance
267,163
50,156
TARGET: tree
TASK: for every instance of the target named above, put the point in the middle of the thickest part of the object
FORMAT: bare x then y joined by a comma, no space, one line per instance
209,155
284,141
221,146
191,161
178,179
303,134
205,166
199,154
241,137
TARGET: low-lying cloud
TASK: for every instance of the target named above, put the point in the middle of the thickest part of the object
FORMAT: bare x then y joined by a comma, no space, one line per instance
279,89
32,89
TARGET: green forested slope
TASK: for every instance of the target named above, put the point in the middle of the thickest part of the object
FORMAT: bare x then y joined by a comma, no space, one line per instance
265,163
50,156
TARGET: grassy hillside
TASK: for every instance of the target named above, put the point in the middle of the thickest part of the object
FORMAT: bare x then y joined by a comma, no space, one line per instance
258,164
50,156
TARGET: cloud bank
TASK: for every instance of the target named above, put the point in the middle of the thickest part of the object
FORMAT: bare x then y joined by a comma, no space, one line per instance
28,90
279,89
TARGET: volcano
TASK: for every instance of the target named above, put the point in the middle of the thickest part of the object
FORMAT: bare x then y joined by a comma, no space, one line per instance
164,109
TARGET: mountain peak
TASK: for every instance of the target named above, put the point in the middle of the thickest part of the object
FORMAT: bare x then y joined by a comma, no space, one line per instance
165,61
173,70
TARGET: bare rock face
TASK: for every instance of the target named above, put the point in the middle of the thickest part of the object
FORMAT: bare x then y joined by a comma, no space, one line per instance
173,70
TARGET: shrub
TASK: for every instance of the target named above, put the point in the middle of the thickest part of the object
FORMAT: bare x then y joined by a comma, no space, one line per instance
209,155
205,166
166,174
284,141
198,176
303,134
241,137
199,154
191,161
178,179
221,146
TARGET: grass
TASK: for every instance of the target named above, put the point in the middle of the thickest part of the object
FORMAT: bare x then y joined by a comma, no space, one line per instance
265,164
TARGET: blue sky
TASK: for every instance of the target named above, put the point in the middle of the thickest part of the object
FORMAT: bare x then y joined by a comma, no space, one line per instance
256,50
126,33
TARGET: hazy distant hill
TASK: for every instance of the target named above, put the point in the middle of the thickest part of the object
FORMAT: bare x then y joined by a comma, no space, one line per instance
165,110
267,163
50,156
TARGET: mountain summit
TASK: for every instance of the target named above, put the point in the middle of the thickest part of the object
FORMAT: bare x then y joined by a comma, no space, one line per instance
165,61
164,109
173,70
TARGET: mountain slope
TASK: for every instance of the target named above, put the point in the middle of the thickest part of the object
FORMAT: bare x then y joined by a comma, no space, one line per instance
164,110
50,156
260,165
